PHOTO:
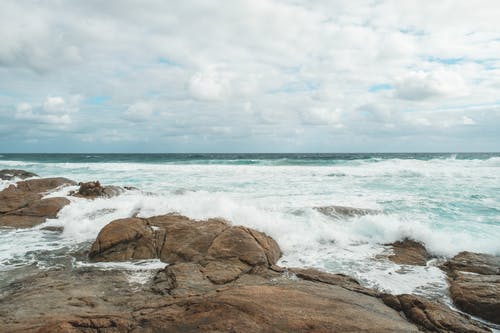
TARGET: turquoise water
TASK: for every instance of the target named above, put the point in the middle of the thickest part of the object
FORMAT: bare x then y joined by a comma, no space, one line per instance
450,202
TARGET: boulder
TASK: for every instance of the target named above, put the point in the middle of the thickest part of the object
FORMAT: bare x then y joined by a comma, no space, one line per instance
474,280
43,185
477,294
12,198
22,206
431,316
222,251
124,239
479,263
8,174
409,252
220,278
340,212
92,190
282,306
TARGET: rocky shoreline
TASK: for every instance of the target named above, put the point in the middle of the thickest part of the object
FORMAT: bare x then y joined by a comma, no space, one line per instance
219,278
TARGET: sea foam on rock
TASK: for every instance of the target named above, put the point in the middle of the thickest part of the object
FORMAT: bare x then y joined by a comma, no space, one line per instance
220,278
22,205
339,212
8,174
94,189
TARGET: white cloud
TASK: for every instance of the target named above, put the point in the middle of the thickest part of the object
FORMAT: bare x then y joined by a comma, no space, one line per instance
53,111
139,111
260,68
208,85
322,116
422,85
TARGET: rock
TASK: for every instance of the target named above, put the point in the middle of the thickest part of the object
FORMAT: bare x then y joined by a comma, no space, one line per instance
108,324
47,208
220,278
285,306
175,238
12,198
22,206
223,252
473,262
181,239
474,280
182,279
92,190
477,294
239,243
19,221
53,228
124,239
341,280
35,213
340,212
43,185
409,252
431,316
8,174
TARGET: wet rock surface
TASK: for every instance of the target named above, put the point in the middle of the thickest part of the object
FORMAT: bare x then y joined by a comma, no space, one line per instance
339,212
219,278
8,174
409,252
92,190
430,316
22,206
475,284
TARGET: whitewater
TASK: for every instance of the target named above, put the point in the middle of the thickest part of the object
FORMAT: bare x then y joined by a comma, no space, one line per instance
449,202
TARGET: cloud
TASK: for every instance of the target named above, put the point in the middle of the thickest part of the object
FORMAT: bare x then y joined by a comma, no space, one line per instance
53,111
139,111
209,85
422,85
287,71
322,116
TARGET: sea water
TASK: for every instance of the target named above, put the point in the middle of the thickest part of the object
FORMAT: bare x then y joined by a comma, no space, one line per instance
449,202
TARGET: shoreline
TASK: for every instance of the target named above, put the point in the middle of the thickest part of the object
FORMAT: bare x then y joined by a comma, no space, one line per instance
207,277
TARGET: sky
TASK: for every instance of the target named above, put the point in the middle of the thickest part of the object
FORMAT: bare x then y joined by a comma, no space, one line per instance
249,76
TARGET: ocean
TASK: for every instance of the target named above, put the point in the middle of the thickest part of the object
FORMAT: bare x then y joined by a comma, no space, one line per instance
449,202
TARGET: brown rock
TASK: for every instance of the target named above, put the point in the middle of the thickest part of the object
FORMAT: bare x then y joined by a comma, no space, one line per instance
222,272
107,323
47,208
180,239
12,198
474,280
19,221
8,174
477,294
285,306
53,228
432,316
239,243
339,212
43,185
473,262
175,239
22,206
182,279
124,239
409,252
92,190
341,280
35,213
